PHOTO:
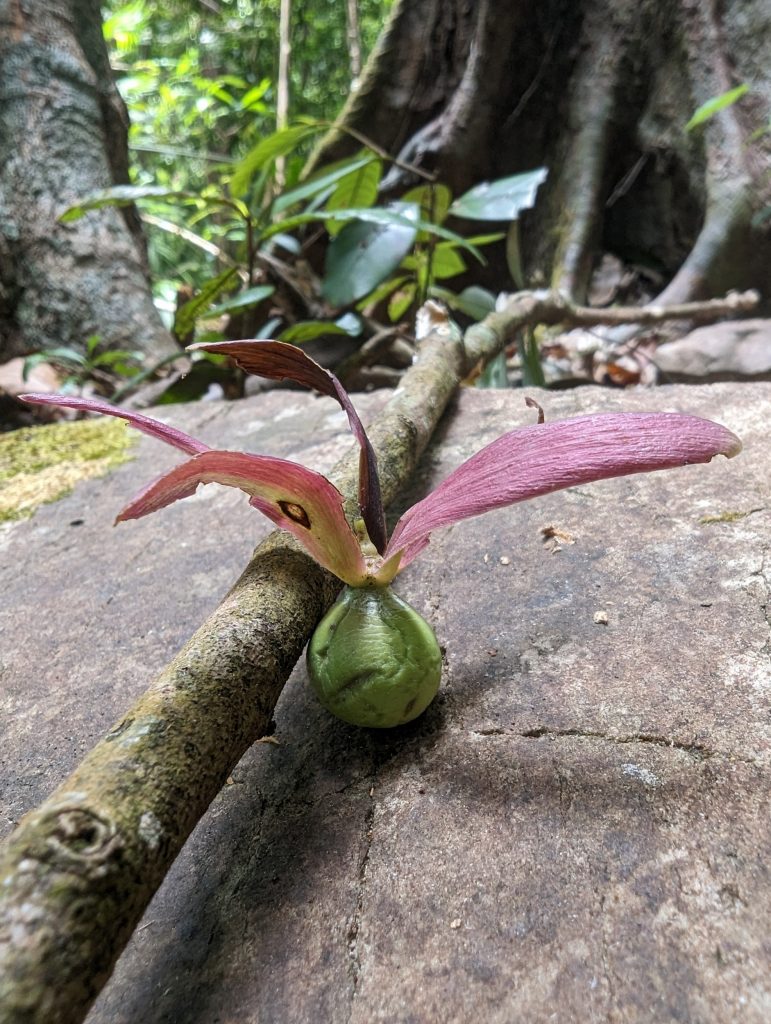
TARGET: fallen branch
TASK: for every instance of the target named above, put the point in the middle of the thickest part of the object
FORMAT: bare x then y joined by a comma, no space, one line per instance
78,872
551,308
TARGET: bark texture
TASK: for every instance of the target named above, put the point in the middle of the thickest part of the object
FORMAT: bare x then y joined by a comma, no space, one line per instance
63,130
599,92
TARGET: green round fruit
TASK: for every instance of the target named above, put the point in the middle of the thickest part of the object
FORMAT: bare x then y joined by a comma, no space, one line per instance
373,660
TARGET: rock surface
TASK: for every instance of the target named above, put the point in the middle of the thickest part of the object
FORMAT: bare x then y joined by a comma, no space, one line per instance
577,829
732,350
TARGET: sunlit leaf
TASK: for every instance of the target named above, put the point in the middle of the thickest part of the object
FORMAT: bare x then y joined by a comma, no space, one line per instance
185,319
716,104
474,301
151,427
315,185
547,457
272,146
358,188
279,361
307,330
446,262
251,99
120,195
244,300
401,302
503,199
295,498
382,291
434,201
375,215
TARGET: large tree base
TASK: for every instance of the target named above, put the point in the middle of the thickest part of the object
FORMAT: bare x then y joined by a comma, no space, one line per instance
599,92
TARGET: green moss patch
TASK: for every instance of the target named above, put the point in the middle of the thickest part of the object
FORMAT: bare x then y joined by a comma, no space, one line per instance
42,464
727,517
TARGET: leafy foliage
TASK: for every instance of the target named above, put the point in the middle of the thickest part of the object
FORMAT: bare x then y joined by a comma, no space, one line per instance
199,80
80,367
229,212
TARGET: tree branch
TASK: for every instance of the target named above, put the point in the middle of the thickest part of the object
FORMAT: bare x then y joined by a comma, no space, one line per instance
78,872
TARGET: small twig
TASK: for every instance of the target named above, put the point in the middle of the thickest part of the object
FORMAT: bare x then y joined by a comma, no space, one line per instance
368,352
697,312
190,236
486,338
403,165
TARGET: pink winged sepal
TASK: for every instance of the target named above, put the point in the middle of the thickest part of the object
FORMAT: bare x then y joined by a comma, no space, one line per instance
546,457
154,428
278,360
295,498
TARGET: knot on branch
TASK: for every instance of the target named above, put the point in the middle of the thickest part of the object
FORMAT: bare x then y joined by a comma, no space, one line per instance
80,838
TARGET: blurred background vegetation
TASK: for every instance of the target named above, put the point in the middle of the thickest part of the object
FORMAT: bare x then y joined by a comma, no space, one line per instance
199,78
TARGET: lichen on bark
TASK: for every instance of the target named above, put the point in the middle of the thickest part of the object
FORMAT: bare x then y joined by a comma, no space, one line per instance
63,135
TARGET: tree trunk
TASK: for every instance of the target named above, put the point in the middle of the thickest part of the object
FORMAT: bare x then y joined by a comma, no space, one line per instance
63,135
599,92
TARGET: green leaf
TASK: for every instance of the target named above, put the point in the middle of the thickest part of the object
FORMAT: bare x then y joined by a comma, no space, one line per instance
717,103
92,343
434,201
116,357
244,300
364,254
494,374
268,329
382,291
474,301
375,215
277,144
530,355
196,382
186,316
500,200
307,330
351,324
401,302
255,94
66,357
514,255
356,189
315,185
486,239
446,262
119,195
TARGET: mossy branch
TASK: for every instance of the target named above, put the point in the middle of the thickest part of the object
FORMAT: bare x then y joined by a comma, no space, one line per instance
78,872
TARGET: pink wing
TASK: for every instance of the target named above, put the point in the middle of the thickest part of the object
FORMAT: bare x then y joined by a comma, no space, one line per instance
172,436
295,498
547,457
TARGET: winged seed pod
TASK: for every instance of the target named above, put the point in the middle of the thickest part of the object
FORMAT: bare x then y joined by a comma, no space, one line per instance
373,660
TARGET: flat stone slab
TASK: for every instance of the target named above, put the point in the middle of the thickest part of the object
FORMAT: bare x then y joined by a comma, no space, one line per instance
577,829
